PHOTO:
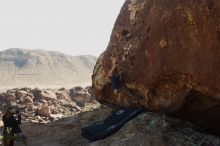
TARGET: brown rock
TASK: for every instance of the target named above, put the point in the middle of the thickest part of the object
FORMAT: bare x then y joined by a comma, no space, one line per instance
77,108
26,99
45,94
20,94
44,111
62,94
11,91
167,53
81,96
10,96
53,109
31,107
37,104
68,104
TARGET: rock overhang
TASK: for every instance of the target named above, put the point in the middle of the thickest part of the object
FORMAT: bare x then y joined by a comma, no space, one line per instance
168,54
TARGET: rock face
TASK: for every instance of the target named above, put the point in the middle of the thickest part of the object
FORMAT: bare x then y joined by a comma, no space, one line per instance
167,53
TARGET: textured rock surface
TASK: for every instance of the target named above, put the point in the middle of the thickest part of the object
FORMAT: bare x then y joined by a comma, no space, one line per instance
45,94
20,93
81,96
167,52
44,111
43,106
148,129
36,117
26,100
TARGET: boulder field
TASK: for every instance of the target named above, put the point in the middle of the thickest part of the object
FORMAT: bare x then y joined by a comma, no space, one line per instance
46,105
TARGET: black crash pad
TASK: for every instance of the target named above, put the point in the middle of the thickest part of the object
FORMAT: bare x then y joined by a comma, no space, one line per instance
110,125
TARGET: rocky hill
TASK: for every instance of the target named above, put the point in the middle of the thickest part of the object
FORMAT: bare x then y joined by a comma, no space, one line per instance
39,68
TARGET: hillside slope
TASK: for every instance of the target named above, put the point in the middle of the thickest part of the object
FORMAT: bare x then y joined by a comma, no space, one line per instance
39,68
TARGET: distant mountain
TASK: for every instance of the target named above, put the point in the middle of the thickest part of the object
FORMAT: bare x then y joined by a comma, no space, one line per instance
43,69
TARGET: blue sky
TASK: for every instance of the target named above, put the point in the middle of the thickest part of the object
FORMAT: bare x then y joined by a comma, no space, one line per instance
74,27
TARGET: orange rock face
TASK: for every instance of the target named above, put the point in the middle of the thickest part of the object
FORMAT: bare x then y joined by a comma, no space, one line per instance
168,55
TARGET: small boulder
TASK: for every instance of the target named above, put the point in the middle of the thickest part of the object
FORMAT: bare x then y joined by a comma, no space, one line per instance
30,106
53,109
54,117
20,93
62,95
81,96
78,108
68,104
45,94
26,99
44,111
10,96
11,91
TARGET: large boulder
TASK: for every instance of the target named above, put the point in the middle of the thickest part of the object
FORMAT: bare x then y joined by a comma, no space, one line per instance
167,54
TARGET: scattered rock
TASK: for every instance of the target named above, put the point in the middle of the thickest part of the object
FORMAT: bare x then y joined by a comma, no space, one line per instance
20,94
62,94
45,94
78,108
55,117
44,111
11,91
81,96
44,103
9,96
26,100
